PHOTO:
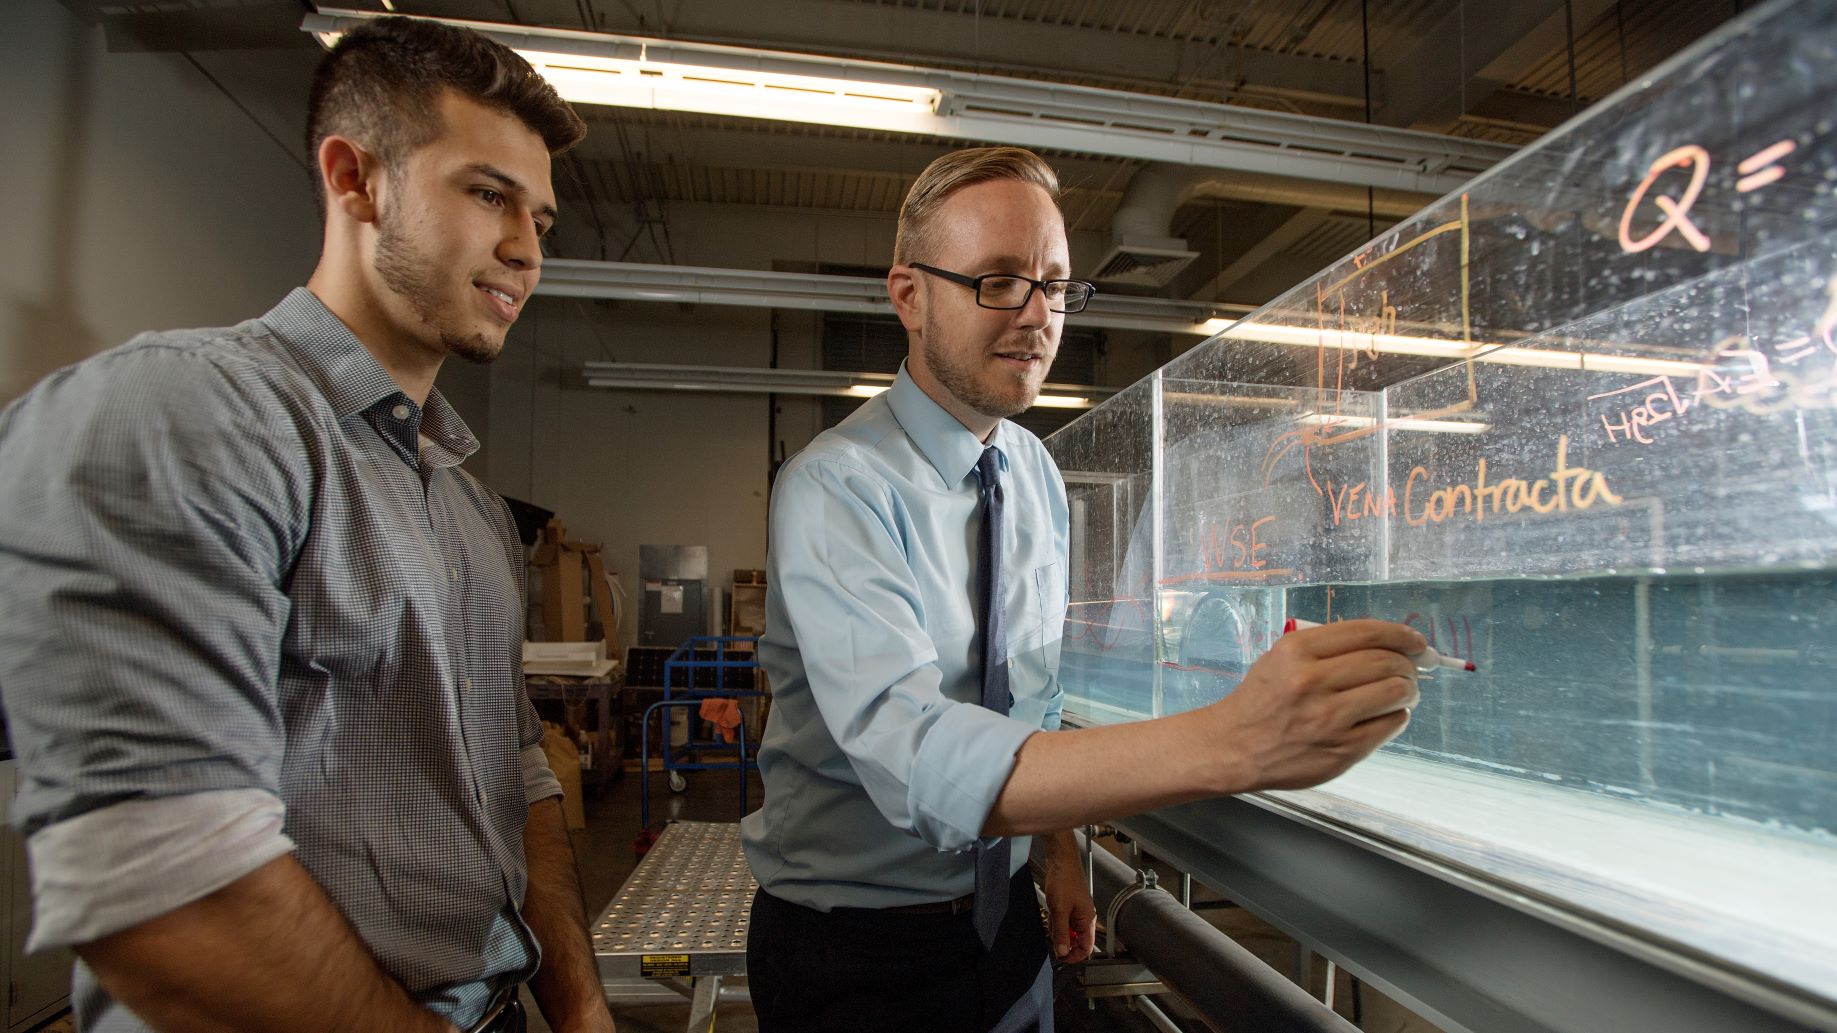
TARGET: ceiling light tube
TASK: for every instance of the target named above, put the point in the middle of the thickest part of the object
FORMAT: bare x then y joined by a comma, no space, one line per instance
668,86
641,376
1431,347
1400,423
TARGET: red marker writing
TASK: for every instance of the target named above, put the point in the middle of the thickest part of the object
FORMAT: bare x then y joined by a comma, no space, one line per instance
1427,660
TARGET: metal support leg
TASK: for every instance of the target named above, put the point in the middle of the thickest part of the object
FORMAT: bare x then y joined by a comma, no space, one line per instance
1303,973
701,1006
1153,1013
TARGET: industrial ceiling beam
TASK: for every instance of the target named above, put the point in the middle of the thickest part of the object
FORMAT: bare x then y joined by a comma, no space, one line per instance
1466,57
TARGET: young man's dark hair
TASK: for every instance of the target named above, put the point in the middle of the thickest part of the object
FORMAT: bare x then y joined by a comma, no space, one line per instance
380,84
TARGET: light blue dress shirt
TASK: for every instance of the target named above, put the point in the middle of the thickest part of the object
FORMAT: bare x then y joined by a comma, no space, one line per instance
880,765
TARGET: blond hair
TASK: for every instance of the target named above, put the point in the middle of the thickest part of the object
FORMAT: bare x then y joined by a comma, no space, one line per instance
915,241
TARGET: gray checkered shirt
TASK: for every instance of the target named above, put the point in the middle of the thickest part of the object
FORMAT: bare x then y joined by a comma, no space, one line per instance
243,582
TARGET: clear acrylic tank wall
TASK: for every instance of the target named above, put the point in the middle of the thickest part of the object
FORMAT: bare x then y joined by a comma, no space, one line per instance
1578,424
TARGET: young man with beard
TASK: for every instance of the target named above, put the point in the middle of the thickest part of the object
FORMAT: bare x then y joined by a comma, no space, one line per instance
259,634
918,588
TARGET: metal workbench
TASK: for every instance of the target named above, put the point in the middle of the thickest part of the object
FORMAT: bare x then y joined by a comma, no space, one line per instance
678,926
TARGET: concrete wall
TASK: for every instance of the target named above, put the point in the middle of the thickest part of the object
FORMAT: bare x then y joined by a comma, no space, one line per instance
140,196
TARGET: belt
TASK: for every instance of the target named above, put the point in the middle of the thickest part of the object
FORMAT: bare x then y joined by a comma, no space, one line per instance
503,1015
960,906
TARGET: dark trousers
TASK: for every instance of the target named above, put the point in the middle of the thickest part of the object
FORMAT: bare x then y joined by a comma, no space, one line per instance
851,970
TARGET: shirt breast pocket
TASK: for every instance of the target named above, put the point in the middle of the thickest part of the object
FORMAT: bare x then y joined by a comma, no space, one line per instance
1033,655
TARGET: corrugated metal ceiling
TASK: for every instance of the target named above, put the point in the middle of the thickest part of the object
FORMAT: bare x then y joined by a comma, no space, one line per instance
1652,30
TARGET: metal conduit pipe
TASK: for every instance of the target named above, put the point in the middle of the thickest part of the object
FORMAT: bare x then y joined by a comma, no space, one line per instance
1230,986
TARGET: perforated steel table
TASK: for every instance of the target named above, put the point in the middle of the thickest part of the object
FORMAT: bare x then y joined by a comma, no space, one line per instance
679,923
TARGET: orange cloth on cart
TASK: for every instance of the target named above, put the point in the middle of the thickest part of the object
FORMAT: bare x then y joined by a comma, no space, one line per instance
723,714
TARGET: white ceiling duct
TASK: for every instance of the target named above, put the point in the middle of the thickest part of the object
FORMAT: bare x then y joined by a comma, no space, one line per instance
1143,250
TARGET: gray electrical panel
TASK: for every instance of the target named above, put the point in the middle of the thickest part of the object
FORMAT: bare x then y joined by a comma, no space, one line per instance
674,593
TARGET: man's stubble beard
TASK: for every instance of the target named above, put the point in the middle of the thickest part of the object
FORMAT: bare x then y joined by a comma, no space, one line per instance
414,279
962,382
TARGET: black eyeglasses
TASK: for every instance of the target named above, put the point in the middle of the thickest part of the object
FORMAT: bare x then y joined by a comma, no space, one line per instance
1008,292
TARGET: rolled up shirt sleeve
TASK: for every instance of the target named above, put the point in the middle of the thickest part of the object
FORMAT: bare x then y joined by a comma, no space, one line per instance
539,781
154,503
114,868
933,766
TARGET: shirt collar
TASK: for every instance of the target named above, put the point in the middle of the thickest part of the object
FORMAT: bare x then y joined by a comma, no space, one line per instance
946,443
353,381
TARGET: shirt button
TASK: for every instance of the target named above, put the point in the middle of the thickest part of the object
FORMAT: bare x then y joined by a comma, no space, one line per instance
400,412
453,572
465,684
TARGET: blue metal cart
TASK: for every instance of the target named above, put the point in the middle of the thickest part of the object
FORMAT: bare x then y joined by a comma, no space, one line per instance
704,667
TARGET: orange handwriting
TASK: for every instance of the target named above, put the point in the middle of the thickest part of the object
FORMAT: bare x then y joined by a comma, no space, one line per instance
1677,210
1757,170
1353,501
1661,402
1241,549
1564,488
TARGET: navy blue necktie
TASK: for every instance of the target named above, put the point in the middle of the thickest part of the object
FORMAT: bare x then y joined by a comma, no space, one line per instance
991,862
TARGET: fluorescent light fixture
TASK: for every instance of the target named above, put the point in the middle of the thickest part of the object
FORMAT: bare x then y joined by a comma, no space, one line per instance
1400,344
669,86
1401,423
1218,401
582,77
822,292
1044,400
640,376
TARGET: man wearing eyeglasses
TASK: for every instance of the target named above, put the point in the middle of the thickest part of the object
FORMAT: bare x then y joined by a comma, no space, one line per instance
918,558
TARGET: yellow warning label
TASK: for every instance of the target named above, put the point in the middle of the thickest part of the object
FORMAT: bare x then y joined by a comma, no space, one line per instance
663,966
